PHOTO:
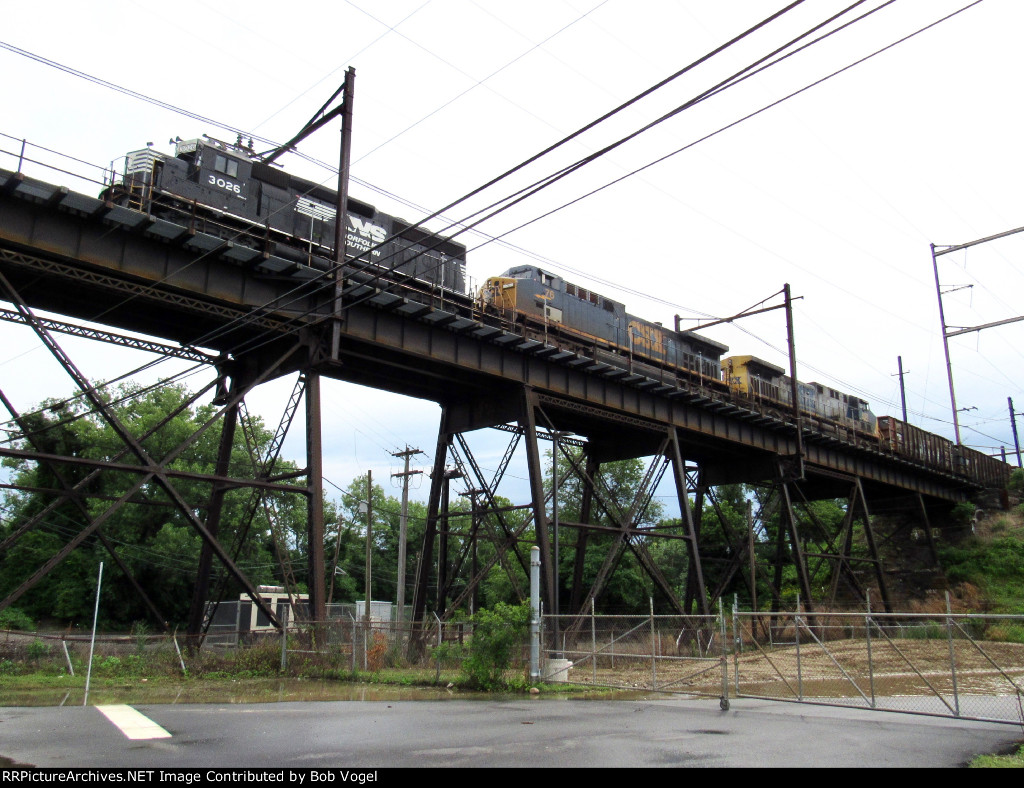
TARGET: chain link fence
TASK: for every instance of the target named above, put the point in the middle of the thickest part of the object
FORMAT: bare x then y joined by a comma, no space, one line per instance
654,653
957,665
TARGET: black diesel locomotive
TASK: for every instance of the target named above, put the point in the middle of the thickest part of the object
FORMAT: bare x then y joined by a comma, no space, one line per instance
242,199
225,190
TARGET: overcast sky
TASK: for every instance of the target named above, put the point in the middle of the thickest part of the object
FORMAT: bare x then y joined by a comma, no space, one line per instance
839,190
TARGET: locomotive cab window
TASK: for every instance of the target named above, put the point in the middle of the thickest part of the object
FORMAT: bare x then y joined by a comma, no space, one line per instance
225,165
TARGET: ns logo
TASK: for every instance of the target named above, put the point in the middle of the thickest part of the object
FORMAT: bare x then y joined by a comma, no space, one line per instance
367,230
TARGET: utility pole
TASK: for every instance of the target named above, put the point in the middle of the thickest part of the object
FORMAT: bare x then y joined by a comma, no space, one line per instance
472,494
403,524
1013,423
903,391
946,333
794,387
369,542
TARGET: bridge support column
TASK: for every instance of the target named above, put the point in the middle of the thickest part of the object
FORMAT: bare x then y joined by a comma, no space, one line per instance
548,573
201,590
592,469
691,530
315,501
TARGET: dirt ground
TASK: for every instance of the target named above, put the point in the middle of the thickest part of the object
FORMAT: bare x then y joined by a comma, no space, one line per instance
841,668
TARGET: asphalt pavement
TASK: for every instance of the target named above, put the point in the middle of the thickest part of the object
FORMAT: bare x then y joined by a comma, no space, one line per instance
529,732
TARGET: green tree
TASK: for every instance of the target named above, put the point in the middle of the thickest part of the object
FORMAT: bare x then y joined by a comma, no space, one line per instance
628,587
151,536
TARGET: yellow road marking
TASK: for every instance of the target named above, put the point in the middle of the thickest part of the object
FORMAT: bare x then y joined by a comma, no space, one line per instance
132,723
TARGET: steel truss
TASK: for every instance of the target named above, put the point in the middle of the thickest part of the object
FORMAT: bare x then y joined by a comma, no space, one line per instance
538,419
752,557
235,379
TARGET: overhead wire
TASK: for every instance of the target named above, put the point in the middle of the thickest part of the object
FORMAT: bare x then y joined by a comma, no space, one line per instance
805,88
477,83
490,183
517,197
231,325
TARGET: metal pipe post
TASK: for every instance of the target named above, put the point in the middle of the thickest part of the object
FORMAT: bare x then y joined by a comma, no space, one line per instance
945,347
535,613
723,701
952,656
92,641
1013,424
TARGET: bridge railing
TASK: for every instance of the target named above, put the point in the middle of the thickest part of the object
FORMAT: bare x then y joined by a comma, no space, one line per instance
21,156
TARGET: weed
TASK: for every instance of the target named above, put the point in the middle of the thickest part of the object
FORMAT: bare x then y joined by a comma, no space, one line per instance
1015,761
37,649
377,652
496,634
1006,633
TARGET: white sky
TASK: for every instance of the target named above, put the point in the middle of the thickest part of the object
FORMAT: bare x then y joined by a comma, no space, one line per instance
838,191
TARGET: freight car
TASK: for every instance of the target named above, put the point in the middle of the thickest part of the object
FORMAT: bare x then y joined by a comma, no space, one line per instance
934,451
226,191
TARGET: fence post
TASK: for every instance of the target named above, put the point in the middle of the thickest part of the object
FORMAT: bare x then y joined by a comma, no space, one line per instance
593,642
535,613
952,656
67,656
738,643
238,625
440,640
284,637
796,633
654,665
724,700
181,659
92,642
867,638
353,642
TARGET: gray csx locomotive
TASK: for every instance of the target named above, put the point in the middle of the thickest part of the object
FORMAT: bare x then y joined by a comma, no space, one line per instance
544,304
223,190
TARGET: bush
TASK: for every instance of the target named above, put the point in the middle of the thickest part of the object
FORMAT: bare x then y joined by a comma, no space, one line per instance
963,513
37,649
377,652
13,618
497,633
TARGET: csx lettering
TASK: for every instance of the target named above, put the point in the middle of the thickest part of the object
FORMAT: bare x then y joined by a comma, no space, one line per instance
647,336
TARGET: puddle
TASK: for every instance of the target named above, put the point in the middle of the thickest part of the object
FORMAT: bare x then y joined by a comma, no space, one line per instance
275,691
245,691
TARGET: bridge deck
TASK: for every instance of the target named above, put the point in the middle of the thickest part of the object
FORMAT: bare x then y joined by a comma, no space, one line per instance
75,255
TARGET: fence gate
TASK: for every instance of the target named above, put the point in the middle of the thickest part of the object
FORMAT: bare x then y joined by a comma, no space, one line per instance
963,666
684,654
